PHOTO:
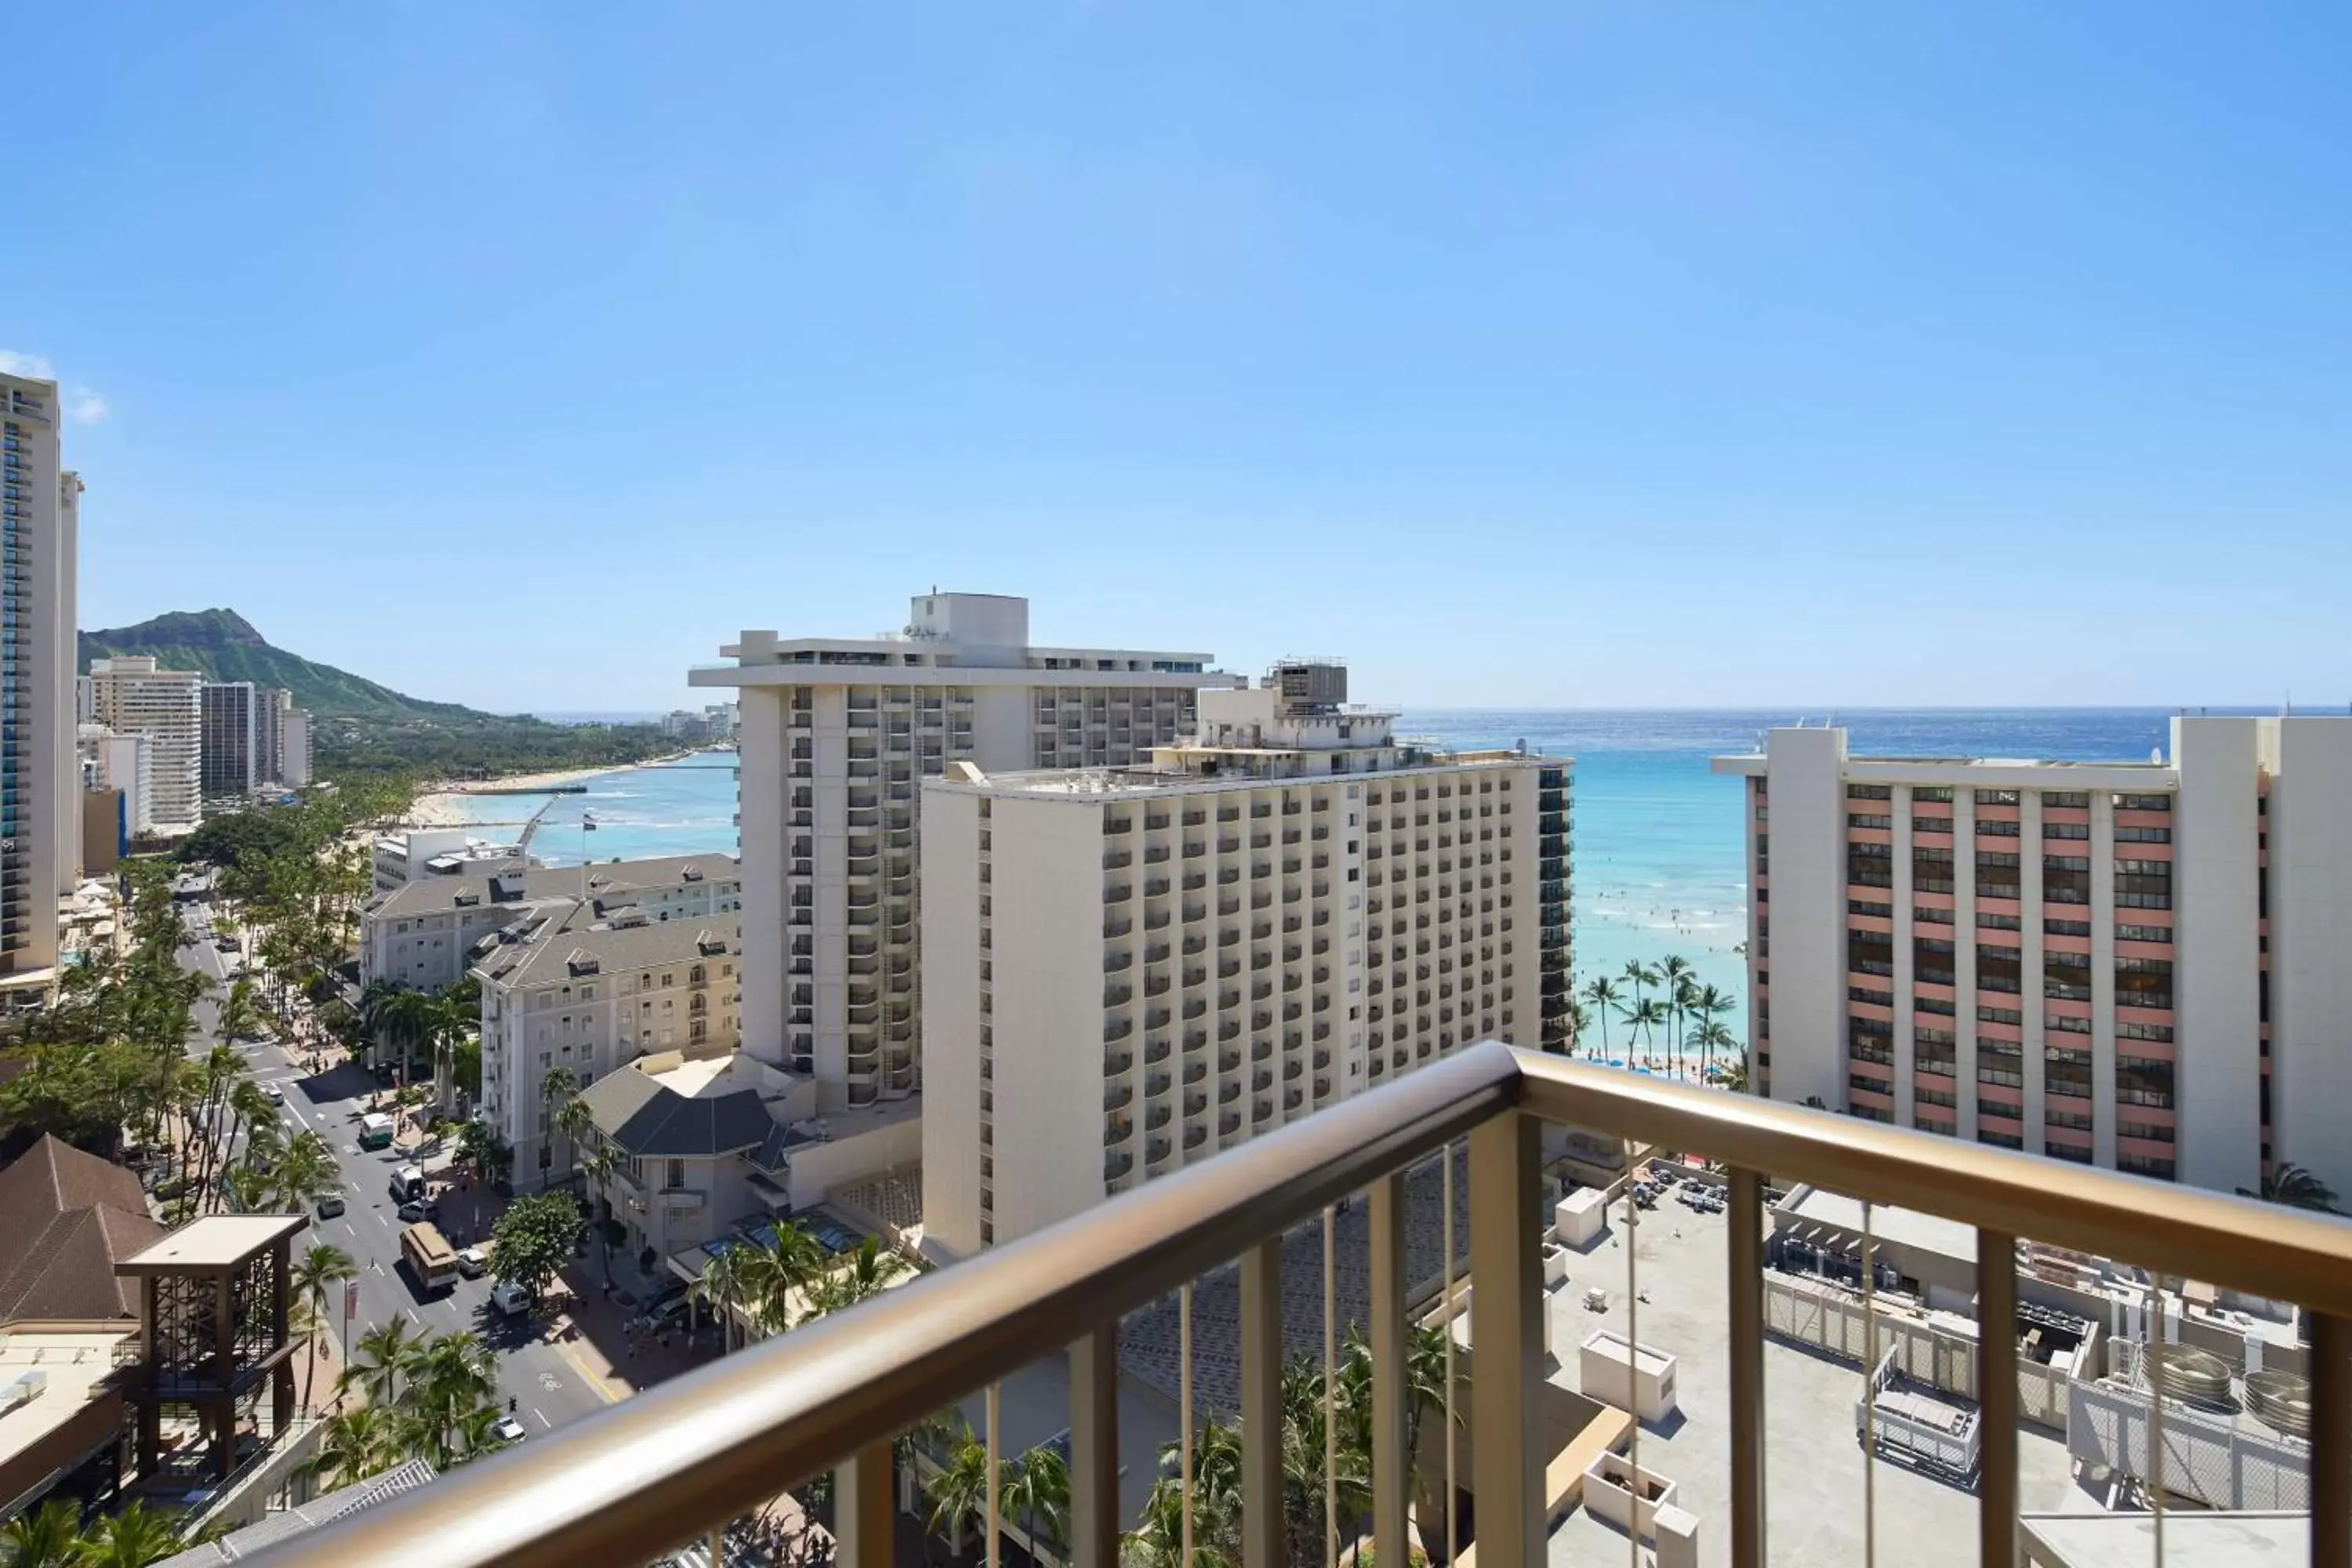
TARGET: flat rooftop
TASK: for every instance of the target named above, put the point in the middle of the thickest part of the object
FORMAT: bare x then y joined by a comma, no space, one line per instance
2208,1540
1813,1496
74,1359
1908,1227
216,1241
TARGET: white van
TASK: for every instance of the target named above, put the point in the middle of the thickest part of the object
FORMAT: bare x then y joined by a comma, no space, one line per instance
407,1182
509,1297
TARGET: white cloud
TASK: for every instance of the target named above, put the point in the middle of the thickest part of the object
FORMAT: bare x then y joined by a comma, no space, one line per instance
14,364
84,407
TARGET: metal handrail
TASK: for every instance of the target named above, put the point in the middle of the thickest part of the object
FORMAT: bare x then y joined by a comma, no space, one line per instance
2269,1250
721,1440
632,1482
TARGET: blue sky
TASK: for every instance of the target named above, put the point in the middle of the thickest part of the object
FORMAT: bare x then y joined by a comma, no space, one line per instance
1566,353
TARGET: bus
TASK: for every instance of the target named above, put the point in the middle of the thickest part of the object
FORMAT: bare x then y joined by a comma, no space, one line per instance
430,1257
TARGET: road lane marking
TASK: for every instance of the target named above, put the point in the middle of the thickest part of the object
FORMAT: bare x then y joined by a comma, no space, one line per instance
542,1418
381,1221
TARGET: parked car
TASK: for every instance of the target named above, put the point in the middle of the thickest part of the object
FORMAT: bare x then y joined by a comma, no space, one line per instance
416,1209
473,1261
507,1429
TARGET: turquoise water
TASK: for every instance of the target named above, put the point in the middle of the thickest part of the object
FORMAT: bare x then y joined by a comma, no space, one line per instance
1658,865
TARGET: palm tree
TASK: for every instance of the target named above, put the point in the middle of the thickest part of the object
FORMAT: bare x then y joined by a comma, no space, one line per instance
724,1284
2291,1185
374,1012
1641,1020
385,1354
1036,1488
46,1537
1674,976
132,1538
1711,1037
867,1272
239,1013
1638,975
314,1274
306,1172
355,1444
1579,1020
1602,993
792,1263
597,1168
959,1493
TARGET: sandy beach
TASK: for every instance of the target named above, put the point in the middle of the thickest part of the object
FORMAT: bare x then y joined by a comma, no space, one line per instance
446,807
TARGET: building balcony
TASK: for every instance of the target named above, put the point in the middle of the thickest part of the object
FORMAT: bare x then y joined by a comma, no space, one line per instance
677,1463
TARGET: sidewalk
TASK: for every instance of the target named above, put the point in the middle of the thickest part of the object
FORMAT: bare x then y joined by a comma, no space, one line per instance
616,1361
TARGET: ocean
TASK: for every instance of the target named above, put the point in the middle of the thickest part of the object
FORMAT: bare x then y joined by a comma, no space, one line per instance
1657,863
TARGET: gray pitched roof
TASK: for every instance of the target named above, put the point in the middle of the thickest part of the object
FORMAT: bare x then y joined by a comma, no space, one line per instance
237,1545
609,881
653,1121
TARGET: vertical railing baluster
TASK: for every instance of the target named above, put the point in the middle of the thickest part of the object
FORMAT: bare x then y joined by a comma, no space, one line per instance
1094,1450
1184,1417
1870,1391
1261,1309
1996,1397
1331,1399
862,1509
1453,1486
994,1519
1633,1353
1507,1335
2331,1441
1390,1463
1747,1216
2156,1367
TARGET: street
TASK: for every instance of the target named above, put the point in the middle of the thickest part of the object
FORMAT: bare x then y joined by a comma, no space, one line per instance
547,1388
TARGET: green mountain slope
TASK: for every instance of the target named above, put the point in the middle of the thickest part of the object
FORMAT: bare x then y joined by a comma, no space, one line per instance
364,728
225,647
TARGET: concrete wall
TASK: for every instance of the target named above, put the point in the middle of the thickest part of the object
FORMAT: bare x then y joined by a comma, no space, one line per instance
1806,799
951,1022
818,1168
2216,994
761,794
2310,947
1049,1052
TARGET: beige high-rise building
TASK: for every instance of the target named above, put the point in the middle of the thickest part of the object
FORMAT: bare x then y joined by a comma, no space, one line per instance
40,759
129,696
1126,970
835,736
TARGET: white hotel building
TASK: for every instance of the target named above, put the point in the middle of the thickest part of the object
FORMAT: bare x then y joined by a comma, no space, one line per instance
40,758
1126,970
130,696
835,735
2143,965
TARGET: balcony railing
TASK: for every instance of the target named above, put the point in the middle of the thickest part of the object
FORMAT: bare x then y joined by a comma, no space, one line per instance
678,1460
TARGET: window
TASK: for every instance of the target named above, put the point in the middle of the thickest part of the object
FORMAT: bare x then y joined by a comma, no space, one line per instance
2143,835
2066,1069
1931,959
2066,799
1867,819
2153,1132
2065,830
1998,968
1999,923
1932,791
2143,803
2066,878
2143,983
1931,869
674,1174
1868,907
2160,1033
1996,797
2143,1080
2066,976
1869,792
2000,1062
1923,915
2066,928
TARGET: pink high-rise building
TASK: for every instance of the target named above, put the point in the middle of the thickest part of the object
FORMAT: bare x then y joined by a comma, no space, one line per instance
2142,965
